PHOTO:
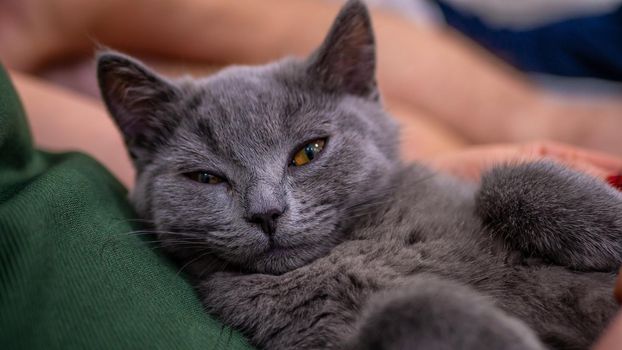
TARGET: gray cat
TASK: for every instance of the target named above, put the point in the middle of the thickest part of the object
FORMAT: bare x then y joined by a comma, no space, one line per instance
280,190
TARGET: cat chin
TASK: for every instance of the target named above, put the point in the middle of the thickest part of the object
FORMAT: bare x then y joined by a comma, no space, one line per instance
280,260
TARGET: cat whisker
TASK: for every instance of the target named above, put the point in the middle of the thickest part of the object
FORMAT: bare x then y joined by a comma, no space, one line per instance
215,267
161,247
124,237
153,232
205,253
119,220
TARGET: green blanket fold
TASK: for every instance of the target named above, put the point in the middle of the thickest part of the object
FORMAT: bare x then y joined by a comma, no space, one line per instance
72,276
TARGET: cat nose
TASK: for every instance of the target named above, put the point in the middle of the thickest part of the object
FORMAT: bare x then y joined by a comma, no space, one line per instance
267,220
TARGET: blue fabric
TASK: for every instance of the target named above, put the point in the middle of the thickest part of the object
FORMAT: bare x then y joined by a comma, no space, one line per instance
588,46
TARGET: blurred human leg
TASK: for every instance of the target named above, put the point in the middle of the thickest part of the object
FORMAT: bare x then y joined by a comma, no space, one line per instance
432,71
62,120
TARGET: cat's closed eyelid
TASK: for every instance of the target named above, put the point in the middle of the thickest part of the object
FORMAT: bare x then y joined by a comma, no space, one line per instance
197,165
191,174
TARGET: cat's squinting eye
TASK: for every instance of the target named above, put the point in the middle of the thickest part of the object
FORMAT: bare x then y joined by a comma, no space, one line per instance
204,177
309,152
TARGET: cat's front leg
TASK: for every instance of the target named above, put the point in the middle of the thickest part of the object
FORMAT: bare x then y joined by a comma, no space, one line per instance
248,303
432,313
277,312
545,210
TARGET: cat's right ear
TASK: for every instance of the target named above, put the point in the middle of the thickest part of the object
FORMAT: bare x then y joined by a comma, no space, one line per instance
137,99
346,60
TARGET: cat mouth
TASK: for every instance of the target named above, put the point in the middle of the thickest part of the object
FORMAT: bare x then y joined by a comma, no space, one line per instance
275,248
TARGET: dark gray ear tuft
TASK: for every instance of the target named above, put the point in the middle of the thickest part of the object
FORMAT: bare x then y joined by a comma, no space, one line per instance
137,98
346,61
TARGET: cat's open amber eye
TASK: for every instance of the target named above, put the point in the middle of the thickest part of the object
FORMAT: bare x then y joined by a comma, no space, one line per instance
204,177
309,152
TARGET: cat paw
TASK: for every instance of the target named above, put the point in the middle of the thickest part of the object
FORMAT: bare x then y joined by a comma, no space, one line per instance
431,313
545,210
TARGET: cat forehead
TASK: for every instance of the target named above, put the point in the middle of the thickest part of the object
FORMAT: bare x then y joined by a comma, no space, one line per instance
247,85
245,100
247,110
245,96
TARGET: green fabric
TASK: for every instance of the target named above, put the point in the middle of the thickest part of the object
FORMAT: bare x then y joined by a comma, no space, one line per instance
70,275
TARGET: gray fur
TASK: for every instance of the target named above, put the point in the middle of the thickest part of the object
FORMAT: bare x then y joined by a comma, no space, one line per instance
542,218
424,305
367,253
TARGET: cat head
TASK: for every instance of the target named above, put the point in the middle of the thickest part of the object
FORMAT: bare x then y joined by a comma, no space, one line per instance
262,168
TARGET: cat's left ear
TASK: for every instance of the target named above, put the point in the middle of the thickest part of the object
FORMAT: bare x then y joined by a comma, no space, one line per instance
346,60
138,100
